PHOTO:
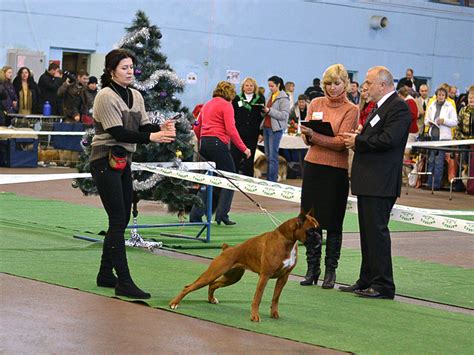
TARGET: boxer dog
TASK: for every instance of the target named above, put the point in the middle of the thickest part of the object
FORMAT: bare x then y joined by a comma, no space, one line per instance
272,255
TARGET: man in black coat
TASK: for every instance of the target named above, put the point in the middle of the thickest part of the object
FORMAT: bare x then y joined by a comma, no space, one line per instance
48,85
376,179
314,91
410,81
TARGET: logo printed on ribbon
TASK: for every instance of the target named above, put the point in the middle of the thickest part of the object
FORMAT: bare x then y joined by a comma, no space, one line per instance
407,216
288,195
429,220
469,227
269,191
251,188
449,223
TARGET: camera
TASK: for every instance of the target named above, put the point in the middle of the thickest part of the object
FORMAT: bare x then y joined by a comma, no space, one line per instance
69,76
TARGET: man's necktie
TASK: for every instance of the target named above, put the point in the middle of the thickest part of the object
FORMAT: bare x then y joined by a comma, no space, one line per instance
424,105
371,114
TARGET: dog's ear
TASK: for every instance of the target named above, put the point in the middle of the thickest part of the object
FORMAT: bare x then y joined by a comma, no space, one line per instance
311,212
301,218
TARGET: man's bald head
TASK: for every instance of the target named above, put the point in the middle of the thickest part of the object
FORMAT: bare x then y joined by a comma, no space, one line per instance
380,82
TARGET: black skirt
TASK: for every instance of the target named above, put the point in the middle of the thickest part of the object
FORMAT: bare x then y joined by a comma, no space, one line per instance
325,189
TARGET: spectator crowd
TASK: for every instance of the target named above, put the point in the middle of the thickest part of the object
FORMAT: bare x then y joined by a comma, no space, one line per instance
69,95
443,115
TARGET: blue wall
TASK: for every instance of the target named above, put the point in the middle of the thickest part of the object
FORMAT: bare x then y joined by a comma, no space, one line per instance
295,39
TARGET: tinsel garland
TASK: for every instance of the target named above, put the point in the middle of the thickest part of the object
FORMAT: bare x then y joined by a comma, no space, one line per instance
156,76
158,117
148,183
156,178
130,38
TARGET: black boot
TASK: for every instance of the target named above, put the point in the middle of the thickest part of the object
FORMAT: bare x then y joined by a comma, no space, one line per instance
125,285
106,277
333,252
313,257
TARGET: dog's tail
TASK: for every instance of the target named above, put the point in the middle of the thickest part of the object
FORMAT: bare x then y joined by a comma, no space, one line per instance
224,246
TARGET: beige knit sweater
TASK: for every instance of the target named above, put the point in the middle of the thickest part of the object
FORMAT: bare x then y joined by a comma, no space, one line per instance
343,117
110,111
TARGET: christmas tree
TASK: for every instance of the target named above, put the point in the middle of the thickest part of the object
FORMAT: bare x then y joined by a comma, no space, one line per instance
158,84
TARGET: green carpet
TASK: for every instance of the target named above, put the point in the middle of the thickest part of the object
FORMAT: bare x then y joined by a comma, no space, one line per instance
435,282
36,242
439,283
312,315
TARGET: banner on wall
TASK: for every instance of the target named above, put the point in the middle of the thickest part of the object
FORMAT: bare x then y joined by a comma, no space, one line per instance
233,76
191,78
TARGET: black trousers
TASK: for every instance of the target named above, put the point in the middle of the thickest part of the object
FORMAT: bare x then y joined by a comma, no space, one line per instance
376,268
116,193
240,161
213,149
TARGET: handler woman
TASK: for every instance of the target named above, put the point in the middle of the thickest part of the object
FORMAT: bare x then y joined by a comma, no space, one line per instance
325,178
215,130
120,122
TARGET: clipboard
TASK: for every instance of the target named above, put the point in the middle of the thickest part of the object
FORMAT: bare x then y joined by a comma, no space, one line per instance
319,126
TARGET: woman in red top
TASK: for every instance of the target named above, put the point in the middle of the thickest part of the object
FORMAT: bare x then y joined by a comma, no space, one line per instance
215,129
404,93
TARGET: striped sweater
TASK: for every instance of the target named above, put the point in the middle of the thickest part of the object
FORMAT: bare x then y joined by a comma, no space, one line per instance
111,111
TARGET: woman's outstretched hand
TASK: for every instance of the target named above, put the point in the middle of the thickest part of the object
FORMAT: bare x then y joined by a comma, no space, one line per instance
168,125
163,136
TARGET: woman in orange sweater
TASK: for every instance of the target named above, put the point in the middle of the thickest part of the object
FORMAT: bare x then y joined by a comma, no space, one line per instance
325,178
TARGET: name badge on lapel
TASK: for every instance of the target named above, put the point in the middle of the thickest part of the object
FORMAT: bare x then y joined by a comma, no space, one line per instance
317,116
374,120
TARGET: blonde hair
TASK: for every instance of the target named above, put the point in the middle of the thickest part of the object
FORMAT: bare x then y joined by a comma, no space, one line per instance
4,71
333,73
225,90
362,101
253,81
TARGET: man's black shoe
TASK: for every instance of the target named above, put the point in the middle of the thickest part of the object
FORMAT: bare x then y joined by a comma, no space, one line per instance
371,293
351,288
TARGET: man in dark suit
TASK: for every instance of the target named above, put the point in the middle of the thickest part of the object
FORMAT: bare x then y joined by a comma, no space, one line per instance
409,80
376,179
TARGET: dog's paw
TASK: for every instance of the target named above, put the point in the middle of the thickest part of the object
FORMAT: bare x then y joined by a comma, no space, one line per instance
173,305
255,317
274,314
213,300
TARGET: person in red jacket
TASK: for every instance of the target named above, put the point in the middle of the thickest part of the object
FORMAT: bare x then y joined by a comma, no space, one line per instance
365,106
214,129
403,92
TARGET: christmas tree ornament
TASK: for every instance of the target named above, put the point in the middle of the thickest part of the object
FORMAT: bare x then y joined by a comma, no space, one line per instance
137,72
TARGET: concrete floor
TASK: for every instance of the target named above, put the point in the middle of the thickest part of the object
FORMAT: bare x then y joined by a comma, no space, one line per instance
39,318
